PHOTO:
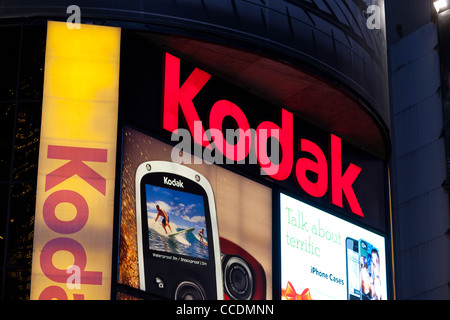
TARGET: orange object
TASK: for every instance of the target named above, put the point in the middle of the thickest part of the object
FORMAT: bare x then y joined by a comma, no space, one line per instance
290,294
306,295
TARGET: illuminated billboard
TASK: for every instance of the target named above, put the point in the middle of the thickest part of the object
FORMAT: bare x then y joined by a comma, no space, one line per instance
76,179
187,230
203,114
327,258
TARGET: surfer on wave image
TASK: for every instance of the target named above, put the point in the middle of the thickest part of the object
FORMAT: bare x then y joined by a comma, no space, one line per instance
165,220
176,222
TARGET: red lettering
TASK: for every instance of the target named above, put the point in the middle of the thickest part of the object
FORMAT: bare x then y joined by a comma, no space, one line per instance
65,196
315,189
219,111
76,166
343,183
80,260
174,96
285,135
58,293
53,292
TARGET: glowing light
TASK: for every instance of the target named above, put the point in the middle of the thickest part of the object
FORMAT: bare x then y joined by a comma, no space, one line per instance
441,5
75,190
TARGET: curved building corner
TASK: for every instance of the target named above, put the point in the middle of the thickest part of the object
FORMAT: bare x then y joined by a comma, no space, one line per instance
94,96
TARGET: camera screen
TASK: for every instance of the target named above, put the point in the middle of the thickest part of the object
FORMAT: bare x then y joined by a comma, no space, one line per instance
176,222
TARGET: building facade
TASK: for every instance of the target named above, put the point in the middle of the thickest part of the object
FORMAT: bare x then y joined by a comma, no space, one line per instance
99,100
417,51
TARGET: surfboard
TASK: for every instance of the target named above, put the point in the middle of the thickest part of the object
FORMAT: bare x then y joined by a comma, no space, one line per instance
203,242
181,231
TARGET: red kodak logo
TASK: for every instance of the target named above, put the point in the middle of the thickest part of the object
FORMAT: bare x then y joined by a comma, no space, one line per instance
178,98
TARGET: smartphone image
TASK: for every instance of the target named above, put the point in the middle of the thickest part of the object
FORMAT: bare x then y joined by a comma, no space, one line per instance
370,271
352,248
177,234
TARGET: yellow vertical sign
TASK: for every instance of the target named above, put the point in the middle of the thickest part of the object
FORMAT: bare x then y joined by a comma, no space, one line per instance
76,176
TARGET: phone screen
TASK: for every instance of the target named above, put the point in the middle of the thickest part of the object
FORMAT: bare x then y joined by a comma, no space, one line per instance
176,222
370,271
353,270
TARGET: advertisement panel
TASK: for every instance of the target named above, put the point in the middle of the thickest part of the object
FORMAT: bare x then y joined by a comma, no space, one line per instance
243,146
75,192
192,230
324,257
221,122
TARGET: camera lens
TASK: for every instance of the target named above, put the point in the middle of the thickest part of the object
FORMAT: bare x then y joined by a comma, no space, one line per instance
187,290
238,279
